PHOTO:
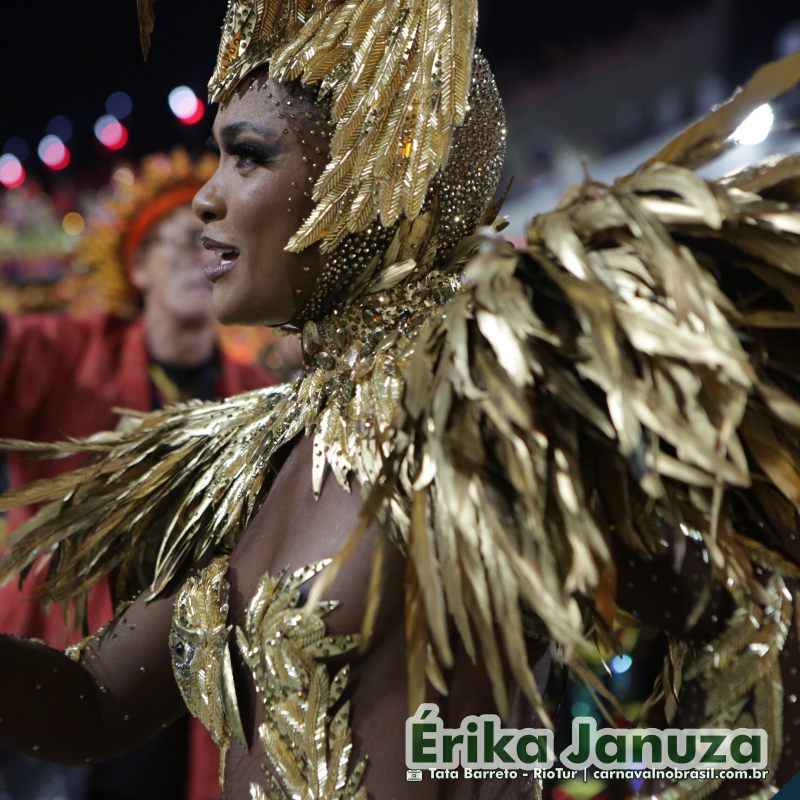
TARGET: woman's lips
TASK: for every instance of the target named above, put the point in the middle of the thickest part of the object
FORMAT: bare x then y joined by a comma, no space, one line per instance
227,256
219,267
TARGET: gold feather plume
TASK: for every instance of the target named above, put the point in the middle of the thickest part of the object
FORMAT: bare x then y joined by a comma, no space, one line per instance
146,11
629,374
195,473
397,73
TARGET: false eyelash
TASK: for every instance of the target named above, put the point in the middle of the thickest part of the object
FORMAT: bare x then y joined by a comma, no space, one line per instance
246,152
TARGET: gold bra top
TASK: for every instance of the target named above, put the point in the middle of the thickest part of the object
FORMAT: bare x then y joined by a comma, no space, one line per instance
305,735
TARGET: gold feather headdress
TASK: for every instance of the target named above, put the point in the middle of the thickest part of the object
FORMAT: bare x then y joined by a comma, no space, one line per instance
398,78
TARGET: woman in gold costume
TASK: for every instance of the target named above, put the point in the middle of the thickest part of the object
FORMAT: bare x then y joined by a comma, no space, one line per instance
490,450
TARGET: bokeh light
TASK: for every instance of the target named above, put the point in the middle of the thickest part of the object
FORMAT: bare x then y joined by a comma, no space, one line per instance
581,709
12,173
18,147
73,223
621,664
756,126
197,116
110,132
124,176
186,105
53,152
61,126
119,105
182,101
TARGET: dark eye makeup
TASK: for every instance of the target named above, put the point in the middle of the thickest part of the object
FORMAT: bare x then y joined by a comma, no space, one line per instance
247,154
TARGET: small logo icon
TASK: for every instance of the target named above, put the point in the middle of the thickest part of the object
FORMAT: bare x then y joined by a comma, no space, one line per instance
413,774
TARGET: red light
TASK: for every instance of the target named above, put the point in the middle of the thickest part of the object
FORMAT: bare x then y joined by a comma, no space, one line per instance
12,173
63,162
196,115
110,132
56,156
54,153
114,136
186,105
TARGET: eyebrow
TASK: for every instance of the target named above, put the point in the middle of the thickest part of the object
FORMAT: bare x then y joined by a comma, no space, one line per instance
231,131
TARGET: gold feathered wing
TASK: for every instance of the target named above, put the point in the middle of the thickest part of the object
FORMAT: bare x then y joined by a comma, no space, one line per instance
155,496
146,13
627,374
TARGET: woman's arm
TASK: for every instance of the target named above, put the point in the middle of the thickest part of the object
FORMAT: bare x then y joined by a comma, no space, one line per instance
120,692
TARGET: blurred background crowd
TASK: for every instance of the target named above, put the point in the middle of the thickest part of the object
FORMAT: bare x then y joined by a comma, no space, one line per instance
99,155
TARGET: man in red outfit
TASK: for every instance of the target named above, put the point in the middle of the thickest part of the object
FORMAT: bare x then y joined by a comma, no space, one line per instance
63,376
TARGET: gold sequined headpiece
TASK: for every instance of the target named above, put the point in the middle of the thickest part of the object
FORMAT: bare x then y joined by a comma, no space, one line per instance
397,74
418,129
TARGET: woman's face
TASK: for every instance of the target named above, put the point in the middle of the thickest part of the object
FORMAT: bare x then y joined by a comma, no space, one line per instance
271,153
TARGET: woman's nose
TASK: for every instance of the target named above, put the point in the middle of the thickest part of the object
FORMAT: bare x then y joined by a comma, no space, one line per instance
208,204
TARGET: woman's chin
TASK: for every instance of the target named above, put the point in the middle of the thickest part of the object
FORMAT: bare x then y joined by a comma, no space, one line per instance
229,312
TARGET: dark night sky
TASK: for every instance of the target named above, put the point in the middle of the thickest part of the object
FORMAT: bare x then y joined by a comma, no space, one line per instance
67,57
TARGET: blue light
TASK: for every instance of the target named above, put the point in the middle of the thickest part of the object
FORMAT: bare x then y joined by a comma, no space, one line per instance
620,664
18,147
637,783
60,126
119,105
581,709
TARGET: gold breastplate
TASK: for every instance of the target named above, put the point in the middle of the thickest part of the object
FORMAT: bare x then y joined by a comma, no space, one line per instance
305,735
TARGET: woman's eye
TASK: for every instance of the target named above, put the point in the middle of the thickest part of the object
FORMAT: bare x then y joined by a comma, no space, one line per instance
249,157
